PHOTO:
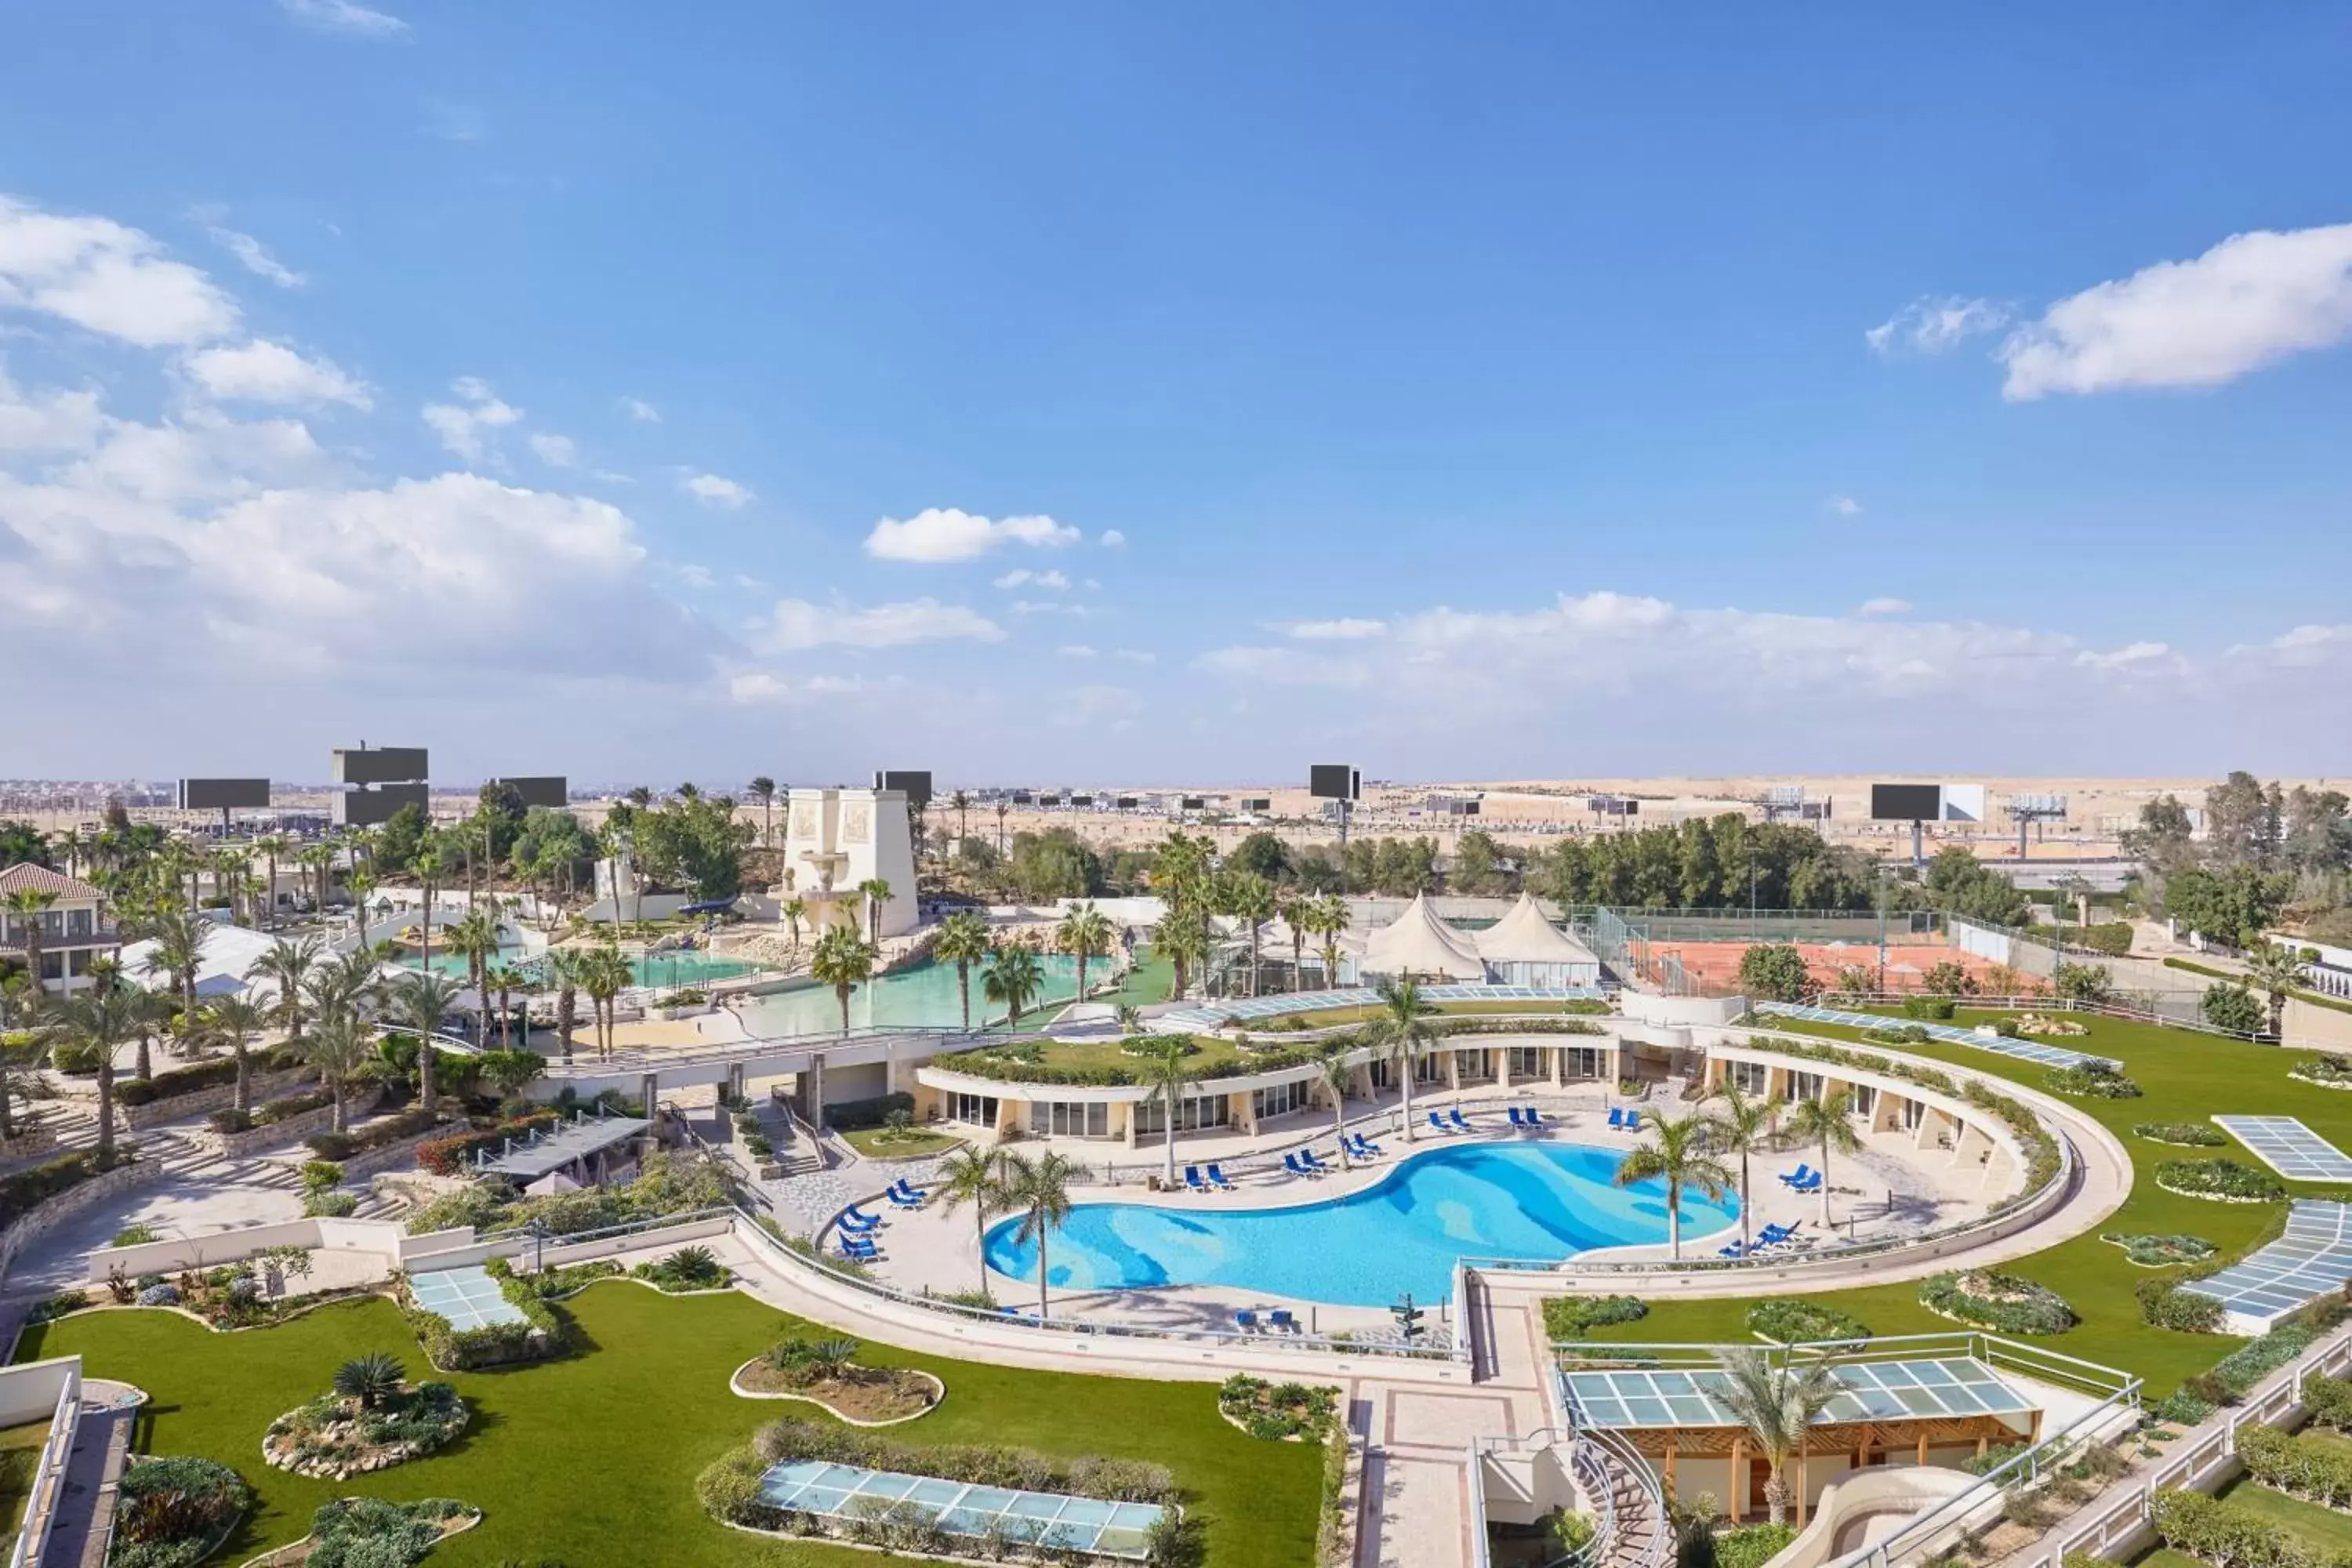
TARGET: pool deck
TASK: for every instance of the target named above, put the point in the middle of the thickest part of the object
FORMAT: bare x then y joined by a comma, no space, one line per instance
1886,1186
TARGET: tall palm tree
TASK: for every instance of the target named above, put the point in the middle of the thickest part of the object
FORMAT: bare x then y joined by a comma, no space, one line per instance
271,844
962,804
427,868
564,973
842,960
1084,933
1167,1078
763,790
504,982
1400,1031
2280,971
1681,1155
99,1019
1296,909
1330,920
421,999
475,939
179,937
227,867
876,894
1825,1124
1014,976
287,965
1778,1400
963,942
362,882
1249,898
28,905
1740,1128
233,1020
336,1049
1178,934
605,974
794,911
1335,1078
319,861
1040,1190
969,1176
1002,808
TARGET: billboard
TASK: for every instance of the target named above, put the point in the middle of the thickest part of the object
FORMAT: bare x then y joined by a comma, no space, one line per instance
914,787
1193,802
1126,802
373,808
379,765
1077,800
1334,781
1021,797
1258,803
1926,803
224,795
541,789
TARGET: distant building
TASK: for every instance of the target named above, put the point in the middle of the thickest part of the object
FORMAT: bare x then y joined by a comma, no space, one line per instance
74,929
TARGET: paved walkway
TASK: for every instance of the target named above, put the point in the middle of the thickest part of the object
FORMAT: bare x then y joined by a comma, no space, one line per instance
85,1520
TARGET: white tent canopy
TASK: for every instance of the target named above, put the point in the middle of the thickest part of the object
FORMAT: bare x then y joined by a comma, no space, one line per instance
228,952
1417,943
1525,949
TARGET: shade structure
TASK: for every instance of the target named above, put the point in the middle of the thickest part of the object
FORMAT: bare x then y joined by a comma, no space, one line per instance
1523,948
1417,943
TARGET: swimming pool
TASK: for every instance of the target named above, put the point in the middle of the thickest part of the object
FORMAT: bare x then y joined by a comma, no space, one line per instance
925,995
1543,1201
669,971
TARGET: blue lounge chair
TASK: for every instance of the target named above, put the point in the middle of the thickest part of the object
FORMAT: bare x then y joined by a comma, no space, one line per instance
851,1220
1438,1122
1307,1158
899,1200
1281,1318
1812,1184
1290,1163
1799,1176
1534,1117
1513,1112
1366,1146
1633,1121
1734,1250
1460,1123
1217,1178
908,1189
1245,1320
864,1251
1192,1182
1616,1116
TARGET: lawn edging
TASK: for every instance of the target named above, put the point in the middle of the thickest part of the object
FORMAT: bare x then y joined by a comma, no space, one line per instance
939,1395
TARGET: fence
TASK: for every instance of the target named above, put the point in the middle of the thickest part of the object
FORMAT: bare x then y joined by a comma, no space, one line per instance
45,1488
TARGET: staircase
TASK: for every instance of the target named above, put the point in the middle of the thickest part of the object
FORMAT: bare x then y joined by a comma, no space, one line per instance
1636,1532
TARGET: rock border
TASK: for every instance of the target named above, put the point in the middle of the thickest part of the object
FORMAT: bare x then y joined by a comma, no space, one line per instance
276,1556
735,1385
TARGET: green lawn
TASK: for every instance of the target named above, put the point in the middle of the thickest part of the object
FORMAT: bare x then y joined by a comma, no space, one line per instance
882,1143
20,1451
2327,1531
1150,981
2187,1076
591,1458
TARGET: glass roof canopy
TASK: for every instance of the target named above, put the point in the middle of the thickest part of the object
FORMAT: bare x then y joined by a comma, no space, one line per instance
2312,1260
1940,1388
2288,1147
1047,1518
1950,1034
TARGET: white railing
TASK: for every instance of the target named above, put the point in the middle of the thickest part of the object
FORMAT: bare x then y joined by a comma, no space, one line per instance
48,1483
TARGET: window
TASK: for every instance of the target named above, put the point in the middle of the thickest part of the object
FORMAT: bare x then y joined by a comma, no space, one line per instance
53,966
1583,1061
80,961
1804,1086
980,1109
1071,1119
1280,1101
1192,1113
1913,1114
1865,1100
1475,1066
81,922
1429,1068
1528,1062
1749,1077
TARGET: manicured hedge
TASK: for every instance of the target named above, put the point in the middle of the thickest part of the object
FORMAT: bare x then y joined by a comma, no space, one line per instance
2005,1303
2226,1532
2318,1472
391,1129
849,1115
2186,1134
2226,1181
178,1081
1574,1317
1789,1320
25,1188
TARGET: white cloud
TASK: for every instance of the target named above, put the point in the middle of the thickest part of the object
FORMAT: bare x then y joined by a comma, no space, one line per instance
555,451
1136,656
1112,539
265,372
464,426
1074,650
945,533
796,623
1884,607
55,421
711,490
2131,658
2247,302
1049,608
639,409
257,258
1347,629
1052,581
1845,506
2304,647
1929,325
346,17
107,279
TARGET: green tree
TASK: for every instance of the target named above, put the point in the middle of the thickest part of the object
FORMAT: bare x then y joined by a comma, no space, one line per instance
98,1019
2228,1004
1249,899
1333,1069
1169,1075
1400,1031
963,941
763,790
603,976
421,999
564,973
179,937
967,1175
1680,1154
1743,1126
1778,1400
1039,1191
1261,854
27,905
1826,1124
1774,972
234,1020
842,960
877,894
2279,971
335,1050
1014,977
1085,934
2080,983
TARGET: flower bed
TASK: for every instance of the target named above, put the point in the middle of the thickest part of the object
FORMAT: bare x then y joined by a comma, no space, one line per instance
442,1156
369,1532
340,1434
822,1372
2163,1304
2005,1303
1788,1320
2185,1134
2091,1081
1278,1412
2220,1181
688,1269
2324,1071
382,1134
174,1512
2047,1027
2159,1251
1574,1317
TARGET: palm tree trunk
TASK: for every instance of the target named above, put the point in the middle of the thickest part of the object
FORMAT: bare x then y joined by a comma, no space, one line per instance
1825,1183
1674,1223
244,1074
1082,974
842,992
1253,957
1168,1180
567,1003
963,987
342,1118
979,1232
145,1068
1743,1203
1042,1271
106,1103
429,1092
1339,1127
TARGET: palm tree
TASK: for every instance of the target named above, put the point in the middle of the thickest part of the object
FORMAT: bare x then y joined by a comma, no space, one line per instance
963,941
763,790
2280,971
1825,1124
505,981
1179,934
233,1019
1168,1080
794,911
28,904
348,983
876,894
968,1176
1401,1030
1249,898
1040,1189
1014,976
1002,808
1740,1128
1682,1157
961,803
842,960
99,1018
336,1049
1084,933
287,965
271,845
605,974
1335,1078
1297,910
421,999
1778,1402
427,868
179,937
475,939
1131,1019
361,883
564,973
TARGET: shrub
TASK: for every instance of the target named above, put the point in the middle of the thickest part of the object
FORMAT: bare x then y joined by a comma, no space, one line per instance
23,1189
2112,938
370,1379
1278,1412
2092,1080
442,1156
2080,983
2190,1135
331,1146
1574,1317
687,1269
331,1204
542,1333
178,1081
1933,1008
2225,1533
2163,1304
369,1532
377,1135
849,1115
2161,1251
1751,1545
133,1235
2181,1408
2229,1005
2318,1470
1774,972
2249,1364
229,1118
2328,1071
2327,1400
2005,1303
2225,1181
172,1512
1789,1320
288,1107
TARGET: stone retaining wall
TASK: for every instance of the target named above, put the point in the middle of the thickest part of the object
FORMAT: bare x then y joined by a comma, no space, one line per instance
43,1216
34,1142
369,1162
274,1135
204,1102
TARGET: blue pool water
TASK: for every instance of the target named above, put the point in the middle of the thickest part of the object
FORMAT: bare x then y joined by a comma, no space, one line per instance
925,995
1542,1201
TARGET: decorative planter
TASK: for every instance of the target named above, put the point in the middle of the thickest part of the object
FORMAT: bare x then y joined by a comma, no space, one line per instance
939,1393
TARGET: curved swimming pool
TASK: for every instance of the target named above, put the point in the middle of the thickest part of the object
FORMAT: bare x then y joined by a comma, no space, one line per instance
1538,1200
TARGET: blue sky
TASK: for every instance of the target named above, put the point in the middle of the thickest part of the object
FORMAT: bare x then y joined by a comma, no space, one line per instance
1540,392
